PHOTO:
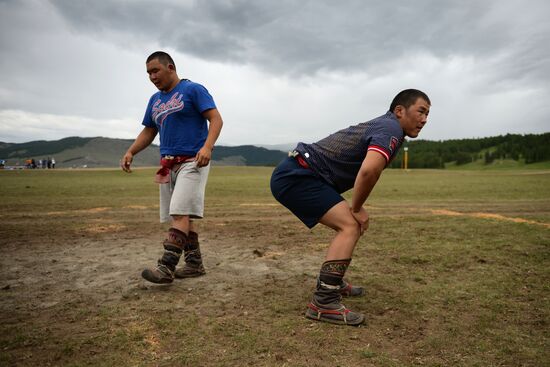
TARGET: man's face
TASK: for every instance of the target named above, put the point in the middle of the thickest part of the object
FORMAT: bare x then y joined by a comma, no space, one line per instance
160,75
413,119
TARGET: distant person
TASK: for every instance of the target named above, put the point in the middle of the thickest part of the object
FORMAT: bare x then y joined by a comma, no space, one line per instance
33,163
53,162
179,113
310,181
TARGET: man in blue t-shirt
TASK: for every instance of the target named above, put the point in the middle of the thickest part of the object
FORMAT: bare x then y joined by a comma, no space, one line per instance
178,112
310,183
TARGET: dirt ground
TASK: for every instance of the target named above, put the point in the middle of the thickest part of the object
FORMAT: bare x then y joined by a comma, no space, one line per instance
53,283
107,267
447,283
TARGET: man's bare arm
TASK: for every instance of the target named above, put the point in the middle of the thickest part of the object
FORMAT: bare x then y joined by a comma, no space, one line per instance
205,153
143,140
371,169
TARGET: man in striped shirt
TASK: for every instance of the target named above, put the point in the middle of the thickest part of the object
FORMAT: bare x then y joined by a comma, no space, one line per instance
310,183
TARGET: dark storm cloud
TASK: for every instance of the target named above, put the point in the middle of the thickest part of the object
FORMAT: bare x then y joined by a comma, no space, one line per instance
304,37
78,65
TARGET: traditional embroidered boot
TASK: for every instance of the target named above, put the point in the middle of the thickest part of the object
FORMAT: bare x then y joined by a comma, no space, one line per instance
326,304
193,260
348,290
173,248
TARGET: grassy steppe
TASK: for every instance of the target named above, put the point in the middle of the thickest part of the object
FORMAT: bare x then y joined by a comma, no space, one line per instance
455,265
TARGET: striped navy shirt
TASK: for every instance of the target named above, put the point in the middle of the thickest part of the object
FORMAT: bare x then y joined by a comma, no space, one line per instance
338,157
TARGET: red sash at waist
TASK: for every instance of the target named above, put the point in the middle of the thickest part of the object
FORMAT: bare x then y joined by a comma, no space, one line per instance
169,162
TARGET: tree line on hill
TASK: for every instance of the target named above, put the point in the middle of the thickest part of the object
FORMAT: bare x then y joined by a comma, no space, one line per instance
105,152
531,148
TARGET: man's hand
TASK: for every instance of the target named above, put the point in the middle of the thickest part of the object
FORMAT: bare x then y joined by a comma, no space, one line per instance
203,156
126,161
362,217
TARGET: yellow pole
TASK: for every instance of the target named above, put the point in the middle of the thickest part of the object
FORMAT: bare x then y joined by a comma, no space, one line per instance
406,158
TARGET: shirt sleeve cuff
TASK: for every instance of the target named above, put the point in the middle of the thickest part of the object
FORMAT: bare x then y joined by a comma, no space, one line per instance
380,150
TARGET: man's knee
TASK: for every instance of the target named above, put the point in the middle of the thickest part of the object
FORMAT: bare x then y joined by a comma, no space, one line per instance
352,228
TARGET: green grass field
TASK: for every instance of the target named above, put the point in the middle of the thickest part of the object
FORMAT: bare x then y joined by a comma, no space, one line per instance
499,164
456,266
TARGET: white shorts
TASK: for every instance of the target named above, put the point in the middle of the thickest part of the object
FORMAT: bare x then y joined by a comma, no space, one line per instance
184,194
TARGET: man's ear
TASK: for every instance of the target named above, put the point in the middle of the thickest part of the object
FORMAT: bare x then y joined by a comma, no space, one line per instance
399,110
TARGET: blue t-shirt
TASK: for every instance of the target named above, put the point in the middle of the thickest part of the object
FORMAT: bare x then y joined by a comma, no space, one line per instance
338,157
177,115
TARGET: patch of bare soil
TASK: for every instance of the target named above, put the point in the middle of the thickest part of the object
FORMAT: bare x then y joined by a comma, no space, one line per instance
50,284
86,286
105,269
488,216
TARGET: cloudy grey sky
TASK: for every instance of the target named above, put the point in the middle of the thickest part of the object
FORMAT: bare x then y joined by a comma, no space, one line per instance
280,71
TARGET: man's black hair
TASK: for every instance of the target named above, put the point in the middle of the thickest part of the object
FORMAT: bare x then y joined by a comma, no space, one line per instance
407,98
162,57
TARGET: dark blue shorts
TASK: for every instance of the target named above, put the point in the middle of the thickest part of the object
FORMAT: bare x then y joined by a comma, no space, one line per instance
302,191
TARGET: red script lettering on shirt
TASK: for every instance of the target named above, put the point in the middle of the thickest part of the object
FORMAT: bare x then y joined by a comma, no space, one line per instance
162,110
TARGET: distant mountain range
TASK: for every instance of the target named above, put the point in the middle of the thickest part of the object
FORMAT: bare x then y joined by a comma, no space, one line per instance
517,150
106,152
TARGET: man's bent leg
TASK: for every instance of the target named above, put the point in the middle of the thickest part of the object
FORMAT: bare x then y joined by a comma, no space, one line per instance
326,304
347,230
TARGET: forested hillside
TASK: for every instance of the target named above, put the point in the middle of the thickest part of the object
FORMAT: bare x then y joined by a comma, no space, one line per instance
529,149
105,152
